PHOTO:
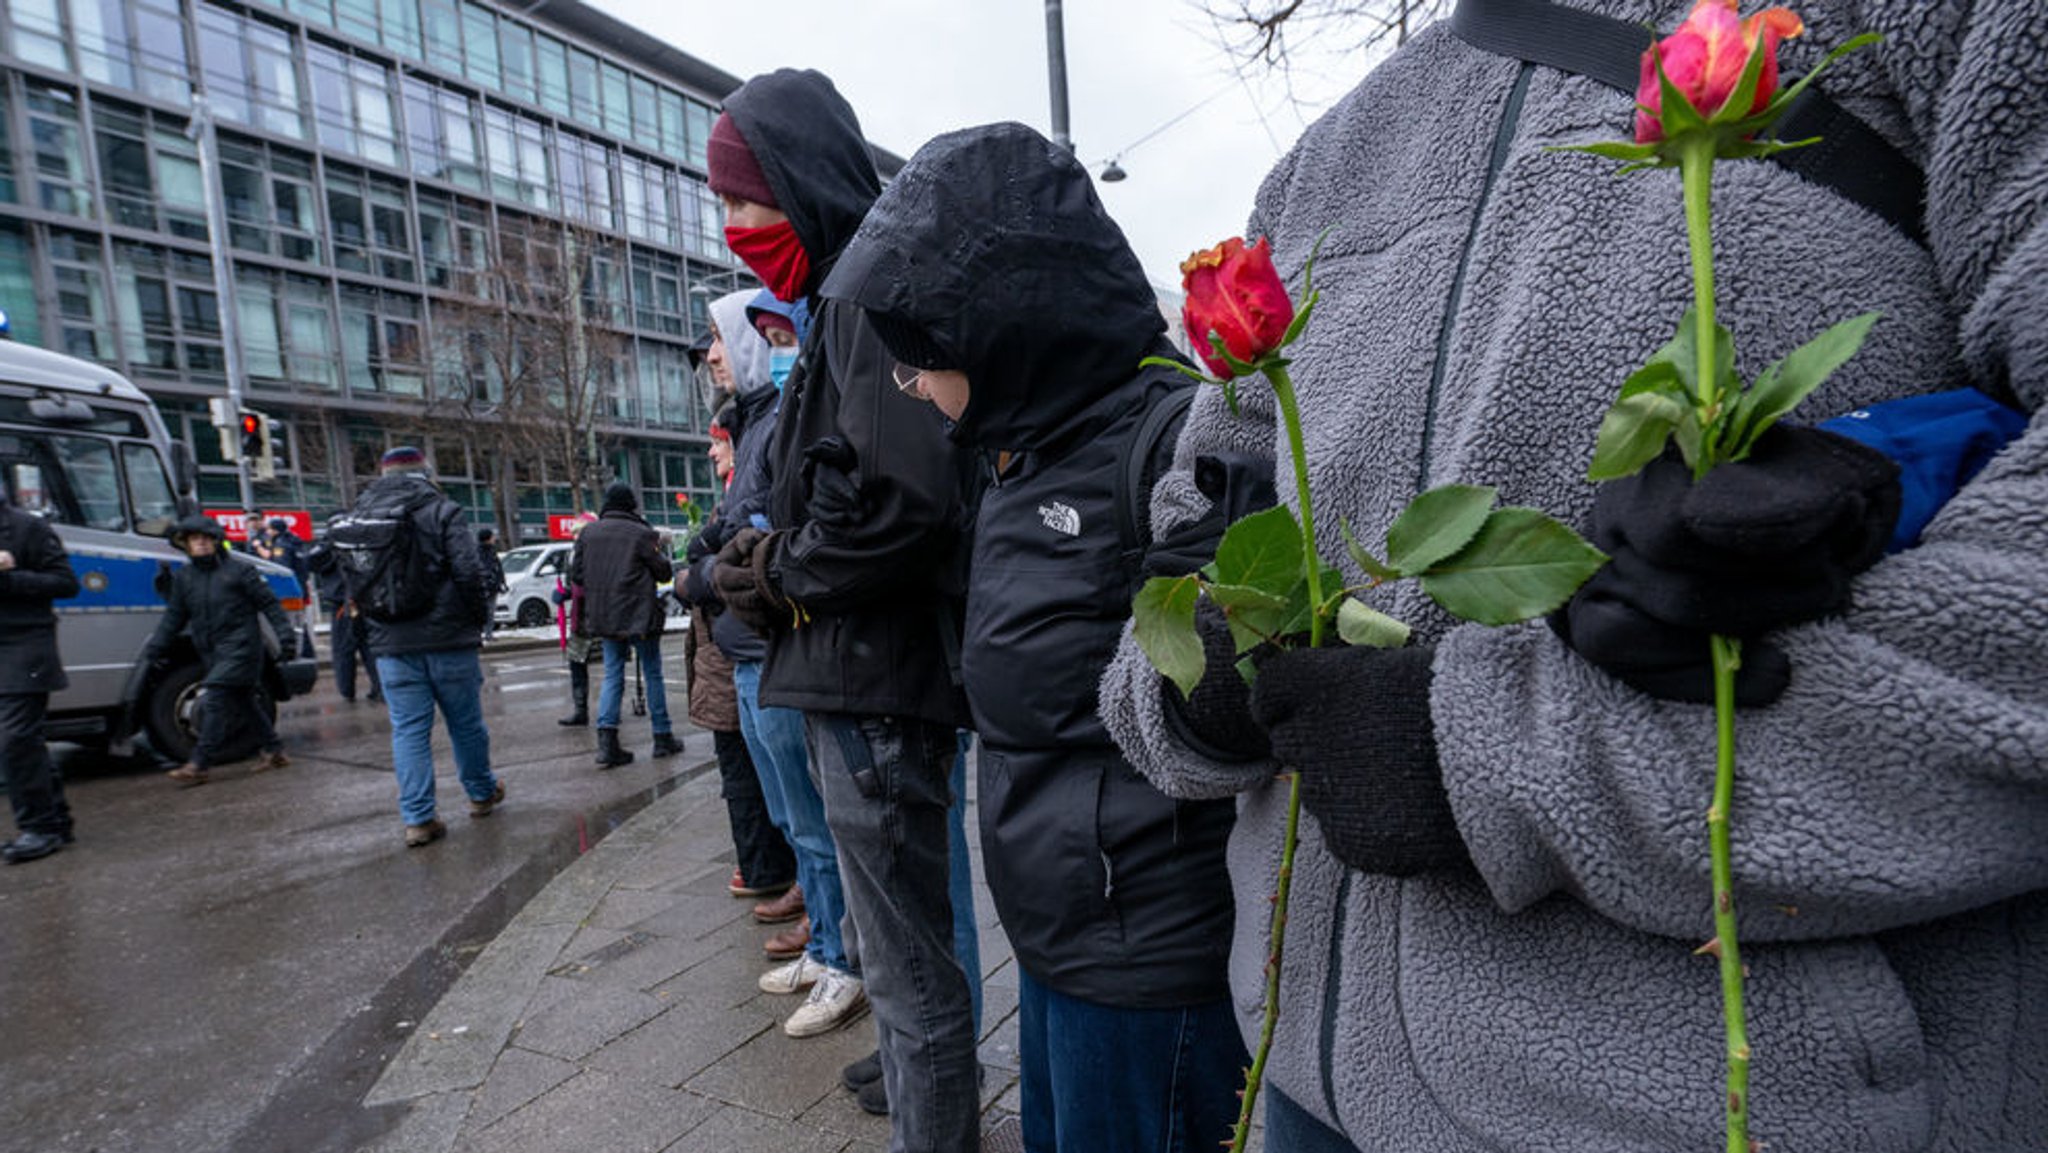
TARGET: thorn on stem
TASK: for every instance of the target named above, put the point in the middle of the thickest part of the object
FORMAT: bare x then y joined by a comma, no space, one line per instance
1725,901
1710,949
1734,1103
1789,910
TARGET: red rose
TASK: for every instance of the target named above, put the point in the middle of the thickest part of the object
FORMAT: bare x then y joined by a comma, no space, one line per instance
1233,291
1705,58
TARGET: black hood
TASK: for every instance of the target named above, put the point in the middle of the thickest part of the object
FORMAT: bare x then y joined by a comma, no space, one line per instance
993,243
809,145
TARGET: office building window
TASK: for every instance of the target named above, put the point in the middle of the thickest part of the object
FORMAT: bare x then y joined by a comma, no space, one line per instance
18,284
170,322
6,151
104,48
39,33
699,117
317,11
84,328
250,75
180,192
160,57
518,156
309,333
401,28
675,137
441,134
702,219
443,23
368,215
583,87
60,184
515,59
586,171
480,45
658,294
148,56
618,106
352,103
381,346
122,139
256,314
357,18
454,242
286,330
552,73
646,113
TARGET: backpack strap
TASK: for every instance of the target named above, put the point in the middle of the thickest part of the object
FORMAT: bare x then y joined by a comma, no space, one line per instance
1163,418
1851,158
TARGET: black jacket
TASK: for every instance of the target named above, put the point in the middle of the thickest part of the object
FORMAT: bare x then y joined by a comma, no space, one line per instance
28,626
993,243
220,603
618,561
462,603
882,600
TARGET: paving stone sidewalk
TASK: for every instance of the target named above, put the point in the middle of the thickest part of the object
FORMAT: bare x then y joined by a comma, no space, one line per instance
618,1011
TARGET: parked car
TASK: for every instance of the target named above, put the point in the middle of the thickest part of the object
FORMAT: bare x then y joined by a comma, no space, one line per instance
530,575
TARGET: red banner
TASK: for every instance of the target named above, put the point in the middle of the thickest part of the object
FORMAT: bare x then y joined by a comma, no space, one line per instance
562,526
234,523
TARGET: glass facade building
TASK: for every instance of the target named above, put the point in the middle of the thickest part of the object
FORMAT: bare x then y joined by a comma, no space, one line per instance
391,171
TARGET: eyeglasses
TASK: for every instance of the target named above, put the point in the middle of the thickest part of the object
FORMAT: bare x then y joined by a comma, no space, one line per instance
907,378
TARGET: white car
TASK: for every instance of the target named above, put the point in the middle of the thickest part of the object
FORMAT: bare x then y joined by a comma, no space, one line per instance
530,576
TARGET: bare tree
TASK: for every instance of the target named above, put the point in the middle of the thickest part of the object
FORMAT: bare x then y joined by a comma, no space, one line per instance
1263,32
526,362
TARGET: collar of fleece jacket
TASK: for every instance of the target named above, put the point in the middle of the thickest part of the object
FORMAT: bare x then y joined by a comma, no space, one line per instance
992,241
809,145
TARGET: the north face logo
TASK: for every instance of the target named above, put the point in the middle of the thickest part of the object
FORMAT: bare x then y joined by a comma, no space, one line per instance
1060,518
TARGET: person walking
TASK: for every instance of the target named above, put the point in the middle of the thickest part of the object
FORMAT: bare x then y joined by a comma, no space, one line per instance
419,581
34,574
494,572
794,173
347,640
617,562
222,601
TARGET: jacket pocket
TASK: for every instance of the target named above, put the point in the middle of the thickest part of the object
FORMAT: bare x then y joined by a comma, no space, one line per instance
1045,867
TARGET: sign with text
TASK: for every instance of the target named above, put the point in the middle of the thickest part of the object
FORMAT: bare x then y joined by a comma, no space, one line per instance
235,524
562,526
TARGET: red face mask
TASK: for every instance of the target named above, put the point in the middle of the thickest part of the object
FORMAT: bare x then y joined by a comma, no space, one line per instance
776,256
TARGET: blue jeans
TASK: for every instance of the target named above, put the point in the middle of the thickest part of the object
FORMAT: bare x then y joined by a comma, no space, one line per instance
887,786
614,688
414,683
776,739
1133,1080
960,883
1295,1129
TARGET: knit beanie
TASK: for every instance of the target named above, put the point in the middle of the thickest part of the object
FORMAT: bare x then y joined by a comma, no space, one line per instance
909,343
730,167
621,498
404,458
765,320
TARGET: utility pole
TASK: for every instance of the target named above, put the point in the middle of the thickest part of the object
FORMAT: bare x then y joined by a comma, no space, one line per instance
200,132
1056,73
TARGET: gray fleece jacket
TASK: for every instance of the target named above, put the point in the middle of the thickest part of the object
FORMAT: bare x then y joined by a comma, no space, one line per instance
1482,301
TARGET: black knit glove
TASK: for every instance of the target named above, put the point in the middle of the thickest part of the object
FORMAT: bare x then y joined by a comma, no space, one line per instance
742,581
1236,487
1766,542
830,478
1216,721
1354,722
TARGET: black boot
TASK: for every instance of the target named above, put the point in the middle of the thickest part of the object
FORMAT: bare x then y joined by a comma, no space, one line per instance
579,694
666,745
609,754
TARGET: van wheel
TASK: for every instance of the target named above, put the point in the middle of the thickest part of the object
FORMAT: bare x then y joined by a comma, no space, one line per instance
171,717
533,614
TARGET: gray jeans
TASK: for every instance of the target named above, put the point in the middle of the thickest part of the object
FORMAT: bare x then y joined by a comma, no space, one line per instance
885,781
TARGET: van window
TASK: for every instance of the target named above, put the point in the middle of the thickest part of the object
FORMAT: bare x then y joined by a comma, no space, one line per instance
149,490
73,480
553,564
519,560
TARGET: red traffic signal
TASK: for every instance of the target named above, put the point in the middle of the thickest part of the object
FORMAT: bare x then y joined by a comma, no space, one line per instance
252,435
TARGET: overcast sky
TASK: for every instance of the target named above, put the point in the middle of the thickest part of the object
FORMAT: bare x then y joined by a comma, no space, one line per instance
915,68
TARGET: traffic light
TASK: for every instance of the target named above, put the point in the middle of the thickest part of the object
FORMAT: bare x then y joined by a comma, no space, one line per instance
257,446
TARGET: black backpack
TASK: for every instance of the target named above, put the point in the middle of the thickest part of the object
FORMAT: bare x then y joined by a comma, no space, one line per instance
390,572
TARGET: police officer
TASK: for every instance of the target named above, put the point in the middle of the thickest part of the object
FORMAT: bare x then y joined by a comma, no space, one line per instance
33,572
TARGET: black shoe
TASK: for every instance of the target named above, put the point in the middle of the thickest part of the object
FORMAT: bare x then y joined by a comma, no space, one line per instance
666,745
609,753
873,1098
30,846
865,1071
575,720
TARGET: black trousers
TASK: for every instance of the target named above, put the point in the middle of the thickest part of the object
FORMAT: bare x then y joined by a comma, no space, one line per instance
225,710
350,642
765,858
33,784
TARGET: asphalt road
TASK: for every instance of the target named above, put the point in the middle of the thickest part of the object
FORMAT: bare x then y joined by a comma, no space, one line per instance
229,967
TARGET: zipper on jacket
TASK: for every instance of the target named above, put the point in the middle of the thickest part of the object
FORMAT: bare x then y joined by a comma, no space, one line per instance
1503,136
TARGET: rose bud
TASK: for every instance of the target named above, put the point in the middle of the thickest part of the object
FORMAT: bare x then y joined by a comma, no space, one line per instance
1233,291
1704,59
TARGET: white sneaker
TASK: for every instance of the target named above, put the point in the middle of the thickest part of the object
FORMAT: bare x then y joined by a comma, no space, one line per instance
835,1000
792,976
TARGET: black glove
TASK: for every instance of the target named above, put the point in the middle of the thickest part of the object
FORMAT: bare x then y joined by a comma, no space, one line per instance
1216,720
287,650
742,582
1354,722
834,485
1767,542
1236,486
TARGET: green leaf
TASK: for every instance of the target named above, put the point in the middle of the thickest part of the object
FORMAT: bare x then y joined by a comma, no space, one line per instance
1372,565
1362,625
1300,321
1636,427
1736,107
1435,525
1521,565
1676,112
1177,366
1254,615
1784,384
1262,551
1237,367
1786,95
1611,149
1163,622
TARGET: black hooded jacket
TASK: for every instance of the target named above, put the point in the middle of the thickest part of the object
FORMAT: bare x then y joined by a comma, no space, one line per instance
992,244
462,602
881,599
220,601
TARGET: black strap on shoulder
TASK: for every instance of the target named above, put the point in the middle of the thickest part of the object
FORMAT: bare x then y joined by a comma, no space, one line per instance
1133,495
1851,158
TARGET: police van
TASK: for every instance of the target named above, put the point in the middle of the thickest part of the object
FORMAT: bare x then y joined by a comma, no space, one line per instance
85,449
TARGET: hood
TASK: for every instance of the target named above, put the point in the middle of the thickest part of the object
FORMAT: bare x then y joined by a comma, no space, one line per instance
799,313
809,145
193,524
745,349
992,242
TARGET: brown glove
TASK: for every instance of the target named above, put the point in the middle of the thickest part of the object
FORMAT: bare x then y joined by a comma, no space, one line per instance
742,581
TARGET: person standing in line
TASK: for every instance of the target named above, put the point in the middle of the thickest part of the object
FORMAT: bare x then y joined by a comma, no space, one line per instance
862,622
494,571
34,573
1115,898
617,562
425,624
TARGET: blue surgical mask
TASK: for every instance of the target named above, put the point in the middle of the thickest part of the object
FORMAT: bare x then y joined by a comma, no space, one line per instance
780,361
